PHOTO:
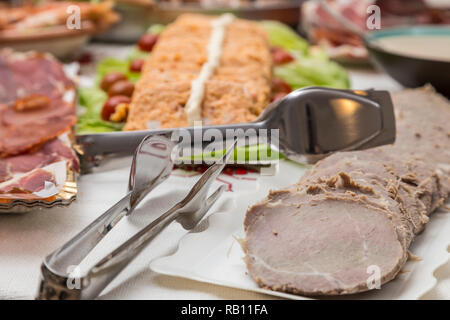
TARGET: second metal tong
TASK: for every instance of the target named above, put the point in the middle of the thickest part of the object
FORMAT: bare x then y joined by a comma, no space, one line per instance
152,164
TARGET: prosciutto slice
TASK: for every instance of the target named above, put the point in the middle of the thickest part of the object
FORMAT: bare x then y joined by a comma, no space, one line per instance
22,74
50,152
36,114
32,182
23,78
21,131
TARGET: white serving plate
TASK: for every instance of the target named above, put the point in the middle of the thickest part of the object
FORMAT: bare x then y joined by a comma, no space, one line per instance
214,255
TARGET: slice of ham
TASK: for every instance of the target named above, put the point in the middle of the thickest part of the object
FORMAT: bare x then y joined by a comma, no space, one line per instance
24,75
21,131
36,113
50,152
322,246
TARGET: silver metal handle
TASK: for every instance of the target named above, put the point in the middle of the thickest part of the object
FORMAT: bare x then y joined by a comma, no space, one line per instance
110,266
54,271
55,280
125,142
74,251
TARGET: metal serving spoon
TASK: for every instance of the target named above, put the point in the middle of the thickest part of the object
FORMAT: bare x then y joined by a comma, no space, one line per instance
310,121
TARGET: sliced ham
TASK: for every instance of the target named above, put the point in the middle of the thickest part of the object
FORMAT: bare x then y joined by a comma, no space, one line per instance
22,74
21,131
50,152
29,183
322,246
36,114
355,212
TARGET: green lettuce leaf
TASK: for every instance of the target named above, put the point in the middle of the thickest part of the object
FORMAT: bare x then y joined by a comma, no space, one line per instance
284,37
311,67
115,65
246,154
156,29
309,71
90,121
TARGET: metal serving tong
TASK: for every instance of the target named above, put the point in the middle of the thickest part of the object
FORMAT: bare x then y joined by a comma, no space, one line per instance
151,165
311,121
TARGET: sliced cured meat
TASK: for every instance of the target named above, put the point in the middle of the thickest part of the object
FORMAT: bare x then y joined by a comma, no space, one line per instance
320,247
63,151
36,111
23,76
21,131
32,182
5,171
354,211
50,152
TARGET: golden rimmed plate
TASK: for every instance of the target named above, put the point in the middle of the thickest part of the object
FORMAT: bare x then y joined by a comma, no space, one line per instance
65,196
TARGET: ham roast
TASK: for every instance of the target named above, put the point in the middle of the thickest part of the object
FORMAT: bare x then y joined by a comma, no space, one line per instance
355,212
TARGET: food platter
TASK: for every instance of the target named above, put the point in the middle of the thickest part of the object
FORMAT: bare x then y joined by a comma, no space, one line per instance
340,189
306,70
373,203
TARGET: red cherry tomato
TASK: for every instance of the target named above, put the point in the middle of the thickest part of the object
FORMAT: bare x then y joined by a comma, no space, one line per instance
147,41
85,57
111,78
111,104
279,85
280,56
121,88
279,96
136,65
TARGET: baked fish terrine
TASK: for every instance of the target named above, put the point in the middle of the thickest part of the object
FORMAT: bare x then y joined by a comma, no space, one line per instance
203,68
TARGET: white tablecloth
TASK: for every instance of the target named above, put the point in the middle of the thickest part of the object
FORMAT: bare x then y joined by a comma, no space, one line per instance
26,238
